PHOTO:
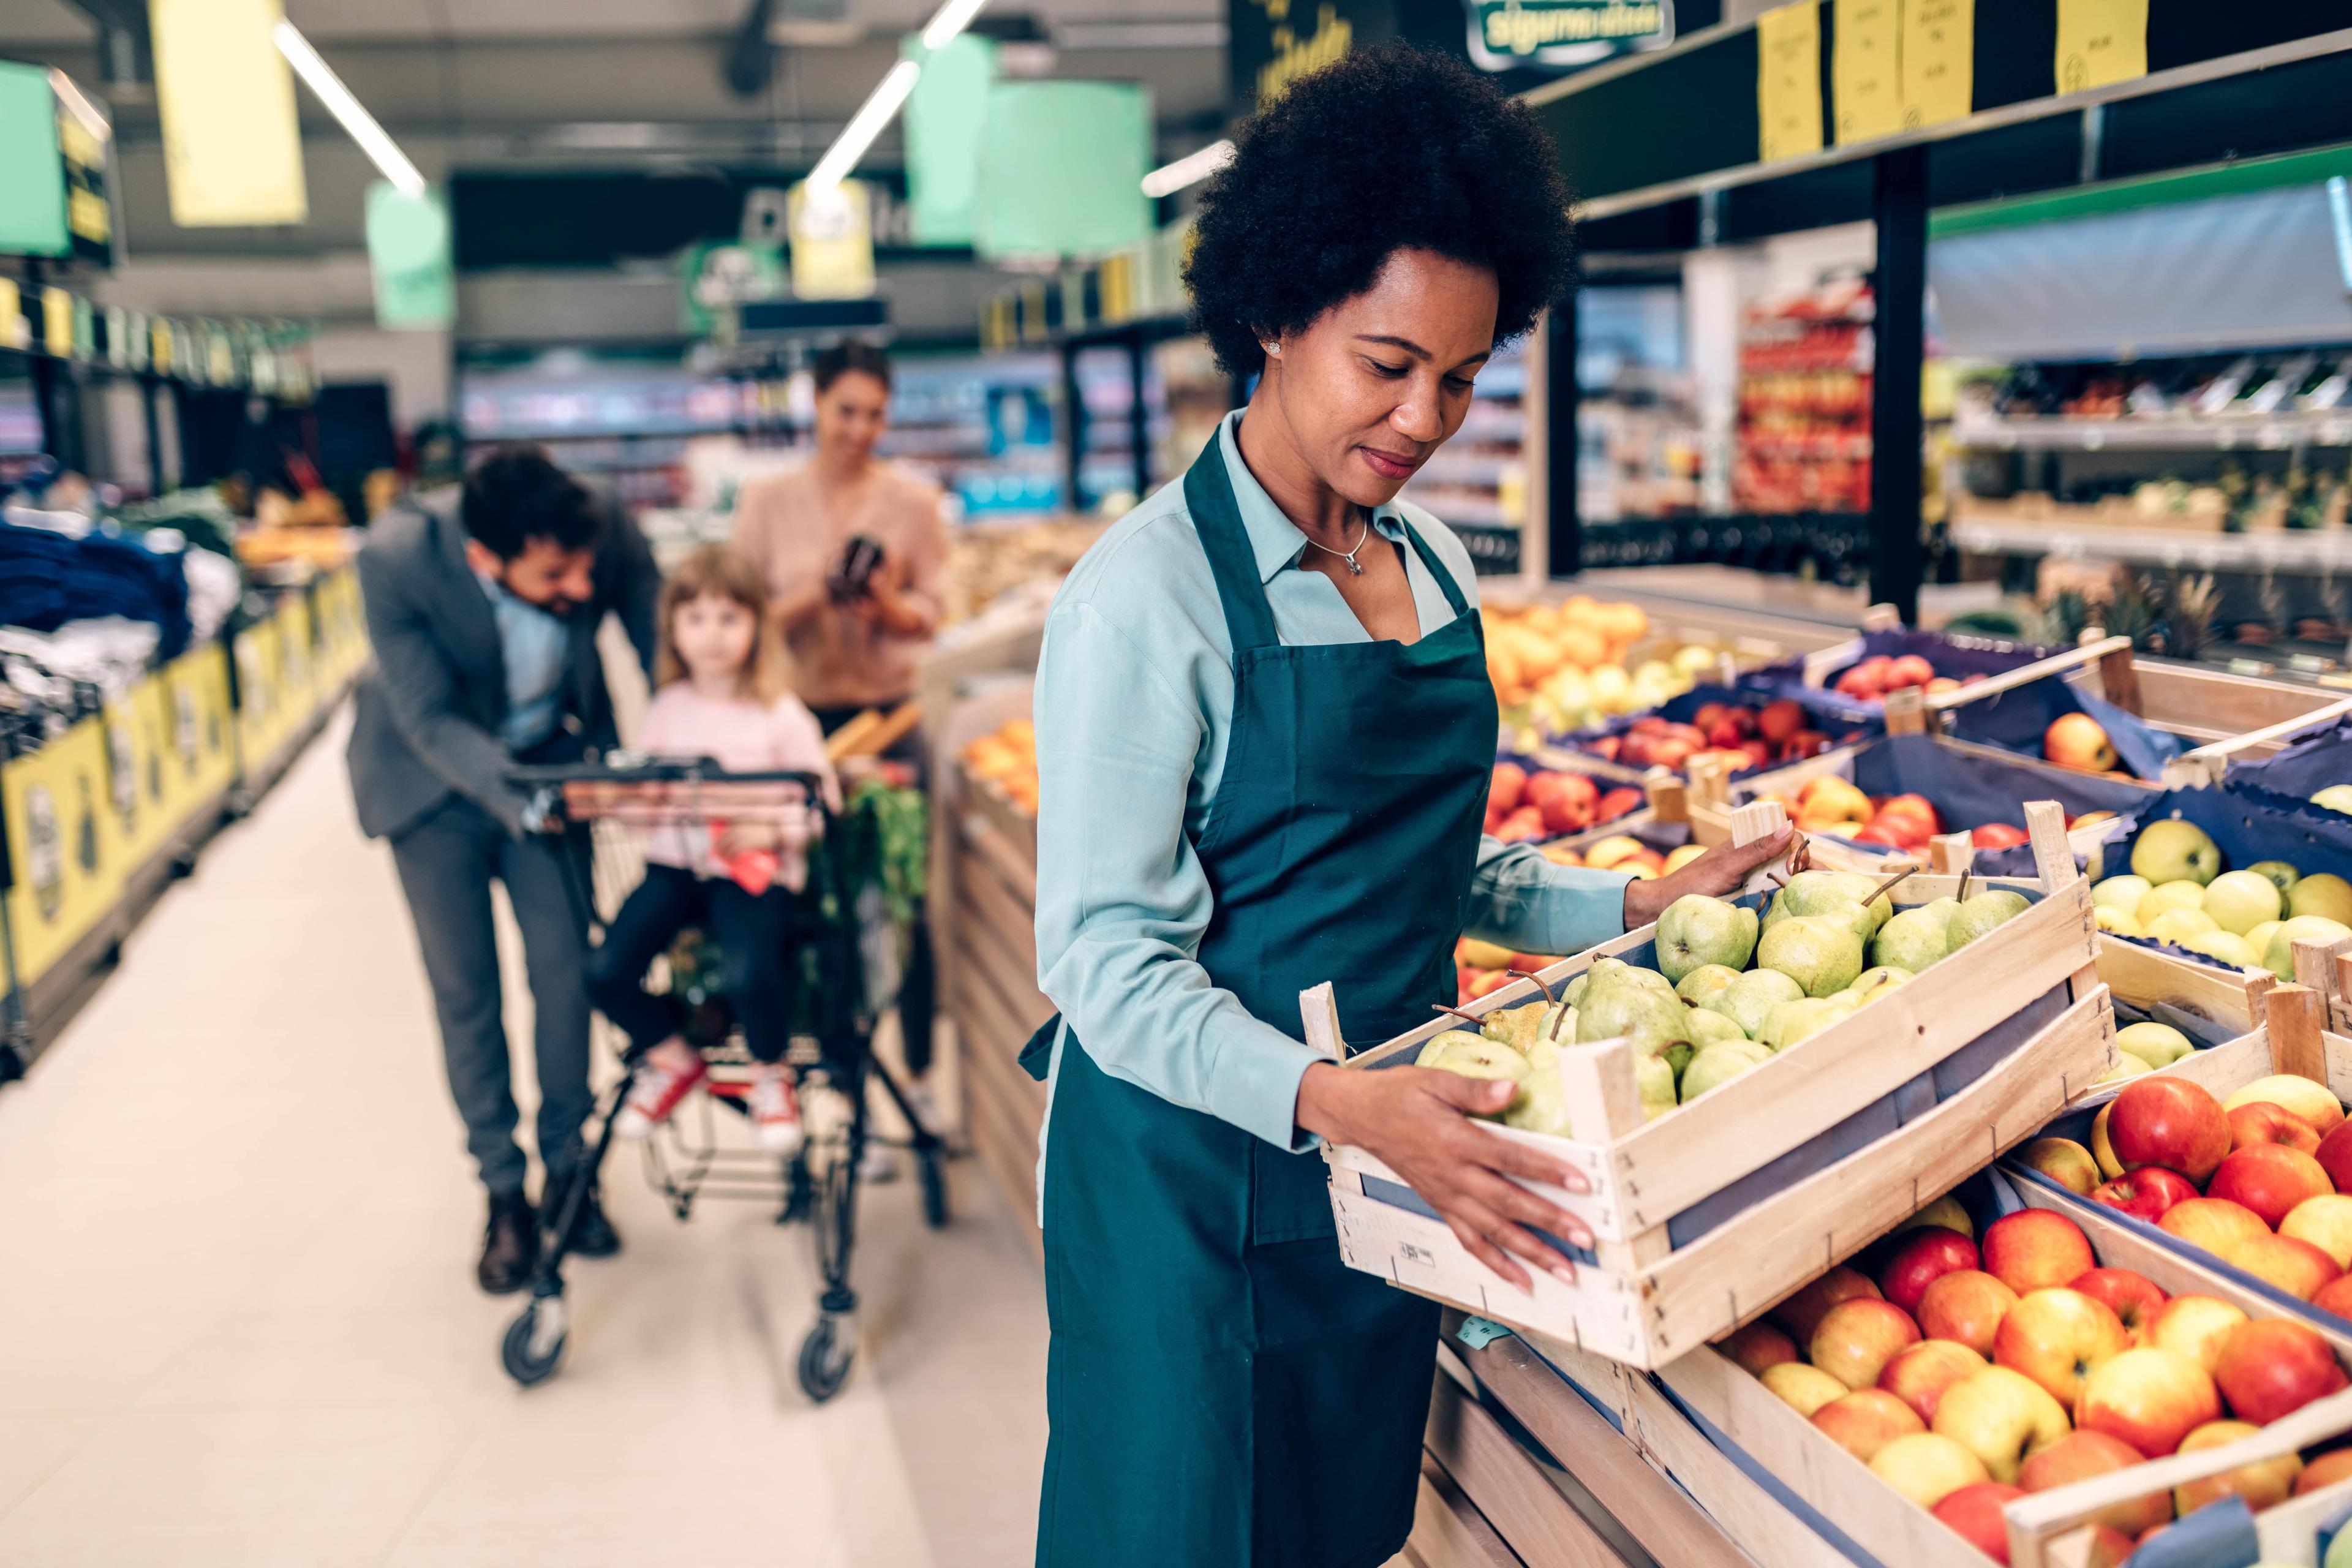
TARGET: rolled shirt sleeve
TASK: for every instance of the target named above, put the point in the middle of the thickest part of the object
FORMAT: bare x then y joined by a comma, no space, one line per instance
1122,899
1527,904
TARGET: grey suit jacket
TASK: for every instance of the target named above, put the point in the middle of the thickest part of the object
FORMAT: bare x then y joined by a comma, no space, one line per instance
425,719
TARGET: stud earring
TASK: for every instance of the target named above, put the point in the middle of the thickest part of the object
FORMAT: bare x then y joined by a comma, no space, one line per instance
1273,350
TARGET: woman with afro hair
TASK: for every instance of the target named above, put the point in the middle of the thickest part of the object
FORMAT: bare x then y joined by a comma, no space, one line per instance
1265,739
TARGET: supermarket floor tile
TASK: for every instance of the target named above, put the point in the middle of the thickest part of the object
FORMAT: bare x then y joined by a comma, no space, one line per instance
256,1339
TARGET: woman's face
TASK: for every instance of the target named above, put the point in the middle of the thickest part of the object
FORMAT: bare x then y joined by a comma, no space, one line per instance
851,415
714,635
1378,382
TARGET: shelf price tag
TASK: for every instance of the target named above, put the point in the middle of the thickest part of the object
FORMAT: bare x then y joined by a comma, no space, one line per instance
1865,69
2101,41
1939,60
1789,81
58,323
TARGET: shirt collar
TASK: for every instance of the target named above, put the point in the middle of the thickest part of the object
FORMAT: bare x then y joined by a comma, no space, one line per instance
1275,541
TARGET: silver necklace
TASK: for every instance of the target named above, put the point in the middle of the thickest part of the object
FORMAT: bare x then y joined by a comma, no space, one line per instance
1355,567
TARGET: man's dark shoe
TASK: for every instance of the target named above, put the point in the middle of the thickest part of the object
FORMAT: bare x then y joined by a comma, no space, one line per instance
510,1245
593,1235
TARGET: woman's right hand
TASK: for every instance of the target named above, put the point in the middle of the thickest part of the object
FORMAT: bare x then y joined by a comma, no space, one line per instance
1416,1121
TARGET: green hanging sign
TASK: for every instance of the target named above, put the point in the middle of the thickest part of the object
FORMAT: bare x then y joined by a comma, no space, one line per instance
408,252
944,120
32,171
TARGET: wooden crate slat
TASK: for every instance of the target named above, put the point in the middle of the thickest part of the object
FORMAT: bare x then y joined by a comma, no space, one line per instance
1448,1530
1018,868
1508,1487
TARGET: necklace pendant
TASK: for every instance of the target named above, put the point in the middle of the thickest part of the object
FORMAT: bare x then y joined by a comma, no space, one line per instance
1353,569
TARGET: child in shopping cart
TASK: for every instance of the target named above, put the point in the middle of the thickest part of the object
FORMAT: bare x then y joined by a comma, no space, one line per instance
720,694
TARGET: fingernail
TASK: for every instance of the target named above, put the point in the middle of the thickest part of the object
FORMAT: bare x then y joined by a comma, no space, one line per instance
1564,1273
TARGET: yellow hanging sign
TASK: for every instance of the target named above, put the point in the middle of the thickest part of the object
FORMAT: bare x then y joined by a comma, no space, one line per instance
2101,41
1789,81
1866,69
232,146
1939,60
831,241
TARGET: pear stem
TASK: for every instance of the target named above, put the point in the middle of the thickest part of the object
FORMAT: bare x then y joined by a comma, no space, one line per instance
1523,974
1965,878
1890,883
1471,1017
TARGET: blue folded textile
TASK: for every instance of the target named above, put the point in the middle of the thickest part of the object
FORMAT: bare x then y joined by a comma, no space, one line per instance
2320,759
48,578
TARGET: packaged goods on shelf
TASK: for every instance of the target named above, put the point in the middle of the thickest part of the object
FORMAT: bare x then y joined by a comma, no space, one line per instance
1803,438
988,559
1478,482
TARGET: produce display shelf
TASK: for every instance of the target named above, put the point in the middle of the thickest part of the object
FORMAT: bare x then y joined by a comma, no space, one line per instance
2290,550
1817,1154
2274,432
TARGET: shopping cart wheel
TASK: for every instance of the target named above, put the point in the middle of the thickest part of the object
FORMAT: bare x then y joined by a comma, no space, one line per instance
934,1173
533,1347
825,1360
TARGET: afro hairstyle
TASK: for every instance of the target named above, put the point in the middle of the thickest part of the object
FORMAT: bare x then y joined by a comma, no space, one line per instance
1389,149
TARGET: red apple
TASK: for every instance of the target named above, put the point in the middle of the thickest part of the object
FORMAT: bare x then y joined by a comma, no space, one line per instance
2160,1119
2076,741
2335,1296
2110,1549
1973,1513
2080,1456
2270,1367
1966,1308
2151,1399
2270,1179
1857,1339
1524,823
2263,1122
2297,1268
2064,1161
1801,1313
2034,1249
1998,835
1777,721
2134,1298
1923,1257
2145,1194
2264,1484
1910,670
2194,1326
1919,1373
1866,1420
1510,783
1757,1346
2328,1469
2056,1337
2335,1156
2216,1225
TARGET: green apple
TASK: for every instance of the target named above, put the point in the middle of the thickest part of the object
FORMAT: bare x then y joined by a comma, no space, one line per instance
2335,797
2326,895
1707,1026
2174,925
1820,952
2259,939
1704,982
1697,930
1654,1077
2280,955
2240,900
1719,1063
2127,1066
1982,912
2173,851
2106,917
1838,893
2121,892
2166,896
1542,1102
1747,1000
2282,874
2226,945
1792,1021
2157,1044
1913,939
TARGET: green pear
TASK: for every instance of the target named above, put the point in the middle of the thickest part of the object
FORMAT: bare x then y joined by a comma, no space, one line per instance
1571,994
1820,952
2157,1044
1875,981
1777,911
1792,1021
1697,930
1704,982
1472,1056
2326,895
2303,928
1520,1028
1654,1022
1836,893
1707,1026
1719,1064
1747,1000
1982,913
1913,939
2121,893
1542,1104
1655,1078
2173,850
2282,874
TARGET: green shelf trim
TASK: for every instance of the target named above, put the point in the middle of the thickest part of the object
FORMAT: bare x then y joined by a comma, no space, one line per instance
2242,178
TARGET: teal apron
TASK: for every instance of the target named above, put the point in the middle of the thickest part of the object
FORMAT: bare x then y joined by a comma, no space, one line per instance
1224,1391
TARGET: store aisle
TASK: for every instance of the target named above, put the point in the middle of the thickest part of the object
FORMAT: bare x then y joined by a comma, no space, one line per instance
237,1322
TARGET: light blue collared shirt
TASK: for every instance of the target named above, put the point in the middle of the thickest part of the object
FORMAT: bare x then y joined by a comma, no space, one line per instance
1134,700
536,645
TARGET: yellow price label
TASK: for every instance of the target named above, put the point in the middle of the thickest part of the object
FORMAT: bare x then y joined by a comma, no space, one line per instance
12,315
1789,81
1866,69
2101,41
56,322
1939,60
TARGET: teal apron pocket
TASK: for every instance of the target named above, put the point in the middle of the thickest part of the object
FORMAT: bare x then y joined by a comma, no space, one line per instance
1037,1057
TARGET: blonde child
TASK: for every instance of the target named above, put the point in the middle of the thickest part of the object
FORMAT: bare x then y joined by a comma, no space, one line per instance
719,695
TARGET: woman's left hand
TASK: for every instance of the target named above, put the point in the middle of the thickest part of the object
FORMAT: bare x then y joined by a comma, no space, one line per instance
1721,872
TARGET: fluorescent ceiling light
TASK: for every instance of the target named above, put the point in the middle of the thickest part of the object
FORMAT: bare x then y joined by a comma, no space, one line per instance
950,19
355,119
865,126
1190,169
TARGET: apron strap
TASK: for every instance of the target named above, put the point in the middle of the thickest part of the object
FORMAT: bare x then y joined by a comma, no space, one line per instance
1437,569
1217,519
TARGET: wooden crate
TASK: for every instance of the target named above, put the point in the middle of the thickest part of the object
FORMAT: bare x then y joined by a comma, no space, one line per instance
1646,1300
2148,978
2291,1035
1903,1535
2101,652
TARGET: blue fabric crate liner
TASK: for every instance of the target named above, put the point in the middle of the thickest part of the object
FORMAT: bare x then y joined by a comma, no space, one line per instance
2014,721
2304,768
2250,822
1958,657
1834,716
1907,1104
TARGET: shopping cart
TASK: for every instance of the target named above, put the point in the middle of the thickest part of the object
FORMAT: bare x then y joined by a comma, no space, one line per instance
849,944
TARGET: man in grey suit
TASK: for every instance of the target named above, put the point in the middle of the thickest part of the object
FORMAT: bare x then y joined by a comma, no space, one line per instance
484,619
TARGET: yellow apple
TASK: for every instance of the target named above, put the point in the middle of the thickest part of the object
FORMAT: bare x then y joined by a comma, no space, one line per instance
2193,1326
2123,922
1605,854
2240,900
2167,896
2000,1416
2172,925
1805,1389
1926,1467
2314,1104
2325,1222
2121,893
2263,1484
2326,895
